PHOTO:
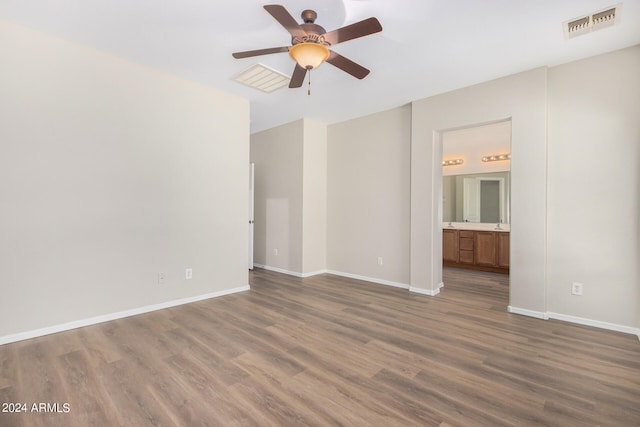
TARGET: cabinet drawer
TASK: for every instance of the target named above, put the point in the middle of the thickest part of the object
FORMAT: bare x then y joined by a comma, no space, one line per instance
466,244
466,257
466,233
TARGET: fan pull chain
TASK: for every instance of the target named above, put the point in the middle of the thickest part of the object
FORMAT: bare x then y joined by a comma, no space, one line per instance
309,84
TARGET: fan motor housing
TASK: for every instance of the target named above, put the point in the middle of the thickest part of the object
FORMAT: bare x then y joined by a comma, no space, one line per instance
314,35
313,28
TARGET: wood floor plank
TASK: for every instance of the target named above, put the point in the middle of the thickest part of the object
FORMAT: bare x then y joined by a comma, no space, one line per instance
127,386
332,350
84,388
441,402
370,401
223,369
329,350
8,366
98,345
209,391
297,394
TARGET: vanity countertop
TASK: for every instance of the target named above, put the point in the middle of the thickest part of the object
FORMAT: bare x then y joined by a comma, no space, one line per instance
475,226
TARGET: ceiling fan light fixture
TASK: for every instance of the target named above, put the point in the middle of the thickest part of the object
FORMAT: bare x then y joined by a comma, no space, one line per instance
310,44
309,55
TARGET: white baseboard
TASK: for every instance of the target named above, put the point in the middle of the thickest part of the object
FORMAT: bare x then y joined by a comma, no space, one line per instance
288,272
113,316
278,270
338,273
529,313
574,319
313,273
369,279
429,292
595,323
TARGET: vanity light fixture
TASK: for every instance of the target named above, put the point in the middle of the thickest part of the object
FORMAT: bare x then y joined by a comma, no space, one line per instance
496,157
452,162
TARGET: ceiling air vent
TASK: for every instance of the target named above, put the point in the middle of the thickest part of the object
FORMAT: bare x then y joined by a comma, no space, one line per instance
597,20
263,78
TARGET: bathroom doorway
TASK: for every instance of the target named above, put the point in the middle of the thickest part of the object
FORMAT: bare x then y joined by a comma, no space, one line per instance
476,193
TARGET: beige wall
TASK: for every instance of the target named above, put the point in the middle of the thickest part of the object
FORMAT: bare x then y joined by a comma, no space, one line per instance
368,206
594,187
290,197
521,98
278,157
314,198
110,173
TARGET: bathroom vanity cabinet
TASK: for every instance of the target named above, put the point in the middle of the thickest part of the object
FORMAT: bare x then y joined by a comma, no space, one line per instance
475,249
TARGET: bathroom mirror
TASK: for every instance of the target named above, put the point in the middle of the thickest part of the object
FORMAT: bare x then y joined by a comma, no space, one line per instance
478,198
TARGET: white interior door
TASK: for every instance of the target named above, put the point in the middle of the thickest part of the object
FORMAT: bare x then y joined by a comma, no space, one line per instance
471,202
251,218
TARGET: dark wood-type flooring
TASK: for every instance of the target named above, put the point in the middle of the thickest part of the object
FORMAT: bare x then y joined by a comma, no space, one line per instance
329,351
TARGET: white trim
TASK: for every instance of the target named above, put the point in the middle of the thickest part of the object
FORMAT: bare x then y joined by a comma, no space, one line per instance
595,323
337,273
288,272
529,313
574,319
369,279
313,273
113,316
431,293
278,270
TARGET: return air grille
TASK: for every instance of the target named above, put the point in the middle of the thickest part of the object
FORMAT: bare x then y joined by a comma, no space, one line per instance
263,78
586,24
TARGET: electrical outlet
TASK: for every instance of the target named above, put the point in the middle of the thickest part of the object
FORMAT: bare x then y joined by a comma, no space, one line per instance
379,260
160,278
576,288
275,251
188,273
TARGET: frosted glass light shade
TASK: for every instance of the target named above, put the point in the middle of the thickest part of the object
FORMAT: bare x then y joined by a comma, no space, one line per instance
309,55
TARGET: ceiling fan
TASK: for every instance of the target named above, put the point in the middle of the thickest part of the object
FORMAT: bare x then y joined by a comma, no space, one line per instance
310,43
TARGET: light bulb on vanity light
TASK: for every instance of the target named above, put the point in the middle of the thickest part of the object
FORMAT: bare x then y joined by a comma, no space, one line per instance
452,162
496,157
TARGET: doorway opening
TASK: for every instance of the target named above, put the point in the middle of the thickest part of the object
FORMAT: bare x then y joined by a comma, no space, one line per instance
475,202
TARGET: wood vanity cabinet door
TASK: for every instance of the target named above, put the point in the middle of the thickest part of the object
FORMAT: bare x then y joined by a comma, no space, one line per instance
503,249
486,246
450,245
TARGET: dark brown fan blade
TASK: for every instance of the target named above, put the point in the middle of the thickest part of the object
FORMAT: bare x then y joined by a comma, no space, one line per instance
353,31
258,52
297,78
285,19
347,65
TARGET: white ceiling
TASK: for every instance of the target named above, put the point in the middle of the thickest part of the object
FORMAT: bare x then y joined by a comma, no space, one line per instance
426,46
